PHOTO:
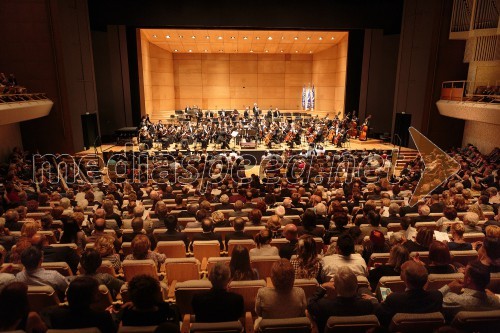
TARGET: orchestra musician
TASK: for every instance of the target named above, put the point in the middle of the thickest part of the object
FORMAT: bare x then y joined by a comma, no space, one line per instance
246,113
256,110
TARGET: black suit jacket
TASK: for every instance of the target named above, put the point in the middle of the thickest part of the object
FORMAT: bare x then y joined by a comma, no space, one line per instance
59,254
236,235
410,301
173,235
217,306
322,308
288,250
206,236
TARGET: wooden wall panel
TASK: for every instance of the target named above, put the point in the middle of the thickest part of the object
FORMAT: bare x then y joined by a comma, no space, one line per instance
243,80
243,67
271,66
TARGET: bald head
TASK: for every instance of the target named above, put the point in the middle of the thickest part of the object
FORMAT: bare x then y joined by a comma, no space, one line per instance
290,231
100,224
39,240
100,213
287,203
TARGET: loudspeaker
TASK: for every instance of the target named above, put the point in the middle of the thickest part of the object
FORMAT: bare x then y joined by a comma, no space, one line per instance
90,130
401,125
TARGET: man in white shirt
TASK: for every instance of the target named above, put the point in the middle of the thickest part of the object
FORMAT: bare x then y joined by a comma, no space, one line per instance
345,257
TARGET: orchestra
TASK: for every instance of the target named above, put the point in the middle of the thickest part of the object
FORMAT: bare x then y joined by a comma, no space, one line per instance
219,128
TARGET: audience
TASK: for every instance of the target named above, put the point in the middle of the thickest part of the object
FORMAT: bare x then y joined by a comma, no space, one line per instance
241,270
397,257
263,242
307,265
345,256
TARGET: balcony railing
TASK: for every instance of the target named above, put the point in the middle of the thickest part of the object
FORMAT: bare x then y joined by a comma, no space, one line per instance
17,98
467,91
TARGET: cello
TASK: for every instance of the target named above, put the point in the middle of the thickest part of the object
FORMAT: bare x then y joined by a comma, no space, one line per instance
364,129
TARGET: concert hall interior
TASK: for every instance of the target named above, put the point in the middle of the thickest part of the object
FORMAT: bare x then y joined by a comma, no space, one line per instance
347,140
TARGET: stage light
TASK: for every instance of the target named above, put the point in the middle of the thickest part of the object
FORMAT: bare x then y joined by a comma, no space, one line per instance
333,38
281,51
167,36
205,50
180,36
310,51
251,51
267,51
296,51
282,37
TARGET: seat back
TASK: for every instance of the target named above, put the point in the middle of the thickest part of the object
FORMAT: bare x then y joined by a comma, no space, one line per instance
40,297
127,248
436,281
351,324
248,290
287,325
319,244
363,282
132,268
416,322
248,243
494,285
263,264
394,227
428,225
172,249
182,269
308,285
477,321
377,259
463,257
253,230
211,262
423,255
472,237
60,266
137,329
206,249
393,282
76,330
184,292
279,242
224,327
104,299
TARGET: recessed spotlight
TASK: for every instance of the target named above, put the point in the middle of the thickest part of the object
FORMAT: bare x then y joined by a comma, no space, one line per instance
308,38
205,50
220,37
333,38
154,36
320,38
167,36
207,37
267,51
232,37
245,38
296,38
310,51
257,37
251,51
282,37
190,50
176,50
181,36
221,50
270,38
193,37
296,51
281,51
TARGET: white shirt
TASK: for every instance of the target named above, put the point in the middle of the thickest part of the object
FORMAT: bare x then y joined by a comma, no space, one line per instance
265,250
332,263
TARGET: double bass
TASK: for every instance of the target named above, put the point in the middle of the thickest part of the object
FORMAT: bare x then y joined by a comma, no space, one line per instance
364,130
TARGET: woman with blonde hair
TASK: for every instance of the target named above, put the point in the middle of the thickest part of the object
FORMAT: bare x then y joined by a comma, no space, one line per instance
475,208
457,234
29,229
219,219
397,257
104,245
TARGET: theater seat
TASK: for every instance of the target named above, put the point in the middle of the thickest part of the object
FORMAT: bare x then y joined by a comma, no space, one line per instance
184,292
351,324
60,266
133,268
477,321
463,257
494,285
472,237
104,299
416,322
211,262
428,225
263,264
287,325
172,249
436,281
423,255
377,259
127,248
393,282
76,330
206,249
248,290
182,269
137,329
40,297
248,243
308,285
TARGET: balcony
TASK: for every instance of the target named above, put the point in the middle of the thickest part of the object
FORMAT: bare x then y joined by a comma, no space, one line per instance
21,107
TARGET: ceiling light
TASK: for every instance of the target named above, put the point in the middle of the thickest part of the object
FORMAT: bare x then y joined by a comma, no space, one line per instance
232,37
175,50
190,51
281,51
333,38
257,37
308,38
207,37
296,38
321,38
267,51
167,36
296,51
154,36
220,37
270,38
193,37
245,38
180,36
251,51
310,51
205,50
282,37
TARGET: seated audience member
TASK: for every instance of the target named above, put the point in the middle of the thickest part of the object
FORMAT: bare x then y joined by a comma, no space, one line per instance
435,205
238,234
290,233
224,203
287,203
108,207
34,275
172,233
138,229
450,215
470,223
340,221
238,206
345,256
72,231
5,270
29,229
6,239
99,227
241,270
255,217
309,226
217,304
219,220
373,224
56,254
105,247
307,265
489,254
393,216
414,299
376,244
338,298
263,242
141,250
148,307
82,292
440,259
321,216
484,204
15,314
408,228
423,214
207,234
200,216
274,226
397,257
90,262
422,241
457,234
470,294
270,300
190,211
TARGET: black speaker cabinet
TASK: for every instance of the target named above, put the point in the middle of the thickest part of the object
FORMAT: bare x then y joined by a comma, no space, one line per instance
401,125
90,130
